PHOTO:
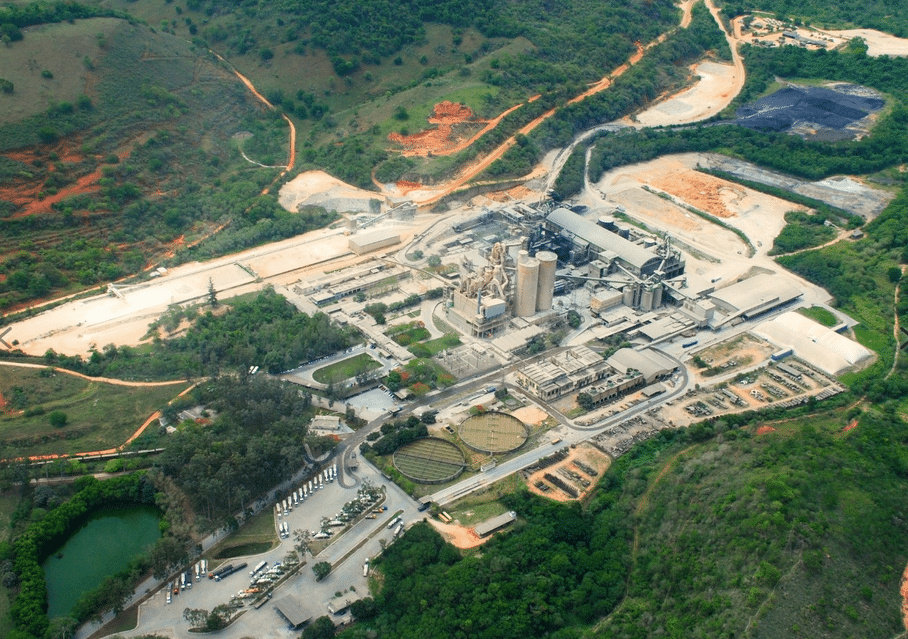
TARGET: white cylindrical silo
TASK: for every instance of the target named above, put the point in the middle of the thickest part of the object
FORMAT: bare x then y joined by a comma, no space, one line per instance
548,264
527,282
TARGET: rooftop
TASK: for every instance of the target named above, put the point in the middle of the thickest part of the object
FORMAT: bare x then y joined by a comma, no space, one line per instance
587,230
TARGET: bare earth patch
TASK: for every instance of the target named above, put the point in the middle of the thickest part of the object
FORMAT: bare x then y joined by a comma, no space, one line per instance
584,453
458,536
531,415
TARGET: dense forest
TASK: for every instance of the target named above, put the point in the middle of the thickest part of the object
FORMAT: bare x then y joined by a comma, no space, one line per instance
254,442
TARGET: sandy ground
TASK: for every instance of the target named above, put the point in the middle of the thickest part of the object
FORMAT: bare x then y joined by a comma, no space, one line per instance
715,87
79,325
532,415
878,43
769,31
458,536
585,453
759,216
317,188
746,351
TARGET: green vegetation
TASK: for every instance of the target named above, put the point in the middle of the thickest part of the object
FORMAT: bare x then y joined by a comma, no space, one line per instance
32,547
95,415
256,441
891,17
662,68
820,315
802,231
155,161
406,334
262,330
346,369
244,550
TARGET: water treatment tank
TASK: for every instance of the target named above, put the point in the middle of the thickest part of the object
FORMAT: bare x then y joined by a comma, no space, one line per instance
527,282
548,263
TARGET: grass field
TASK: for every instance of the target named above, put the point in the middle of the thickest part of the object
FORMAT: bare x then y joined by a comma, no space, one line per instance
819,314
256,536
99,415
59,49
430,460
345,369
439,344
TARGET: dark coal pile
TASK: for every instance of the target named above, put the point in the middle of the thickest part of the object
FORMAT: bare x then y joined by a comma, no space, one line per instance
805,108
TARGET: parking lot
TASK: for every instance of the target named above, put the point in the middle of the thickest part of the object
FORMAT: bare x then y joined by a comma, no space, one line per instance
359,542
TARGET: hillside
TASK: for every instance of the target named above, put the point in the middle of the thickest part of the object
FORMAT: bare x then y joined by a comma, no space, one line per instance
792,531
120,144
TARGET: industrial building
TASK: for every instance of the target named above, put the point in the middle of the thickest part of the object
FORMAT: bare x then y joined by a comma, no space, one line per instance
753,296
367,242
612,246
564,372
825,349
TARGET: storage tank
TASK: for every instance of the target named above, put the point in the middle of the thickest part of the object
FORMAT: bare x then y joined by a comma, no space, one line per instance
629,296
646,303
545,288
527,283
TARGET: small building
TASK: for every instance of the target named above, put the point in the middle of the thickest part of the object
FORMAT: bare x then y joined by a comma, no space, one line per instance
325,425
489,526
291,610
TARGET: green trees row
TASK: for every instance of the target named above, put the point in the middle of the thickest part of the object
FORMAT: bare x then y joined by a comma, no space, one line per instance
32,13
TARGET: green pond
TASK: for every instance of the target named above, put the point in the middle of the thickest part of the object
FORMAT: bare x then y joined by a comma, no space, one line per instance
102,546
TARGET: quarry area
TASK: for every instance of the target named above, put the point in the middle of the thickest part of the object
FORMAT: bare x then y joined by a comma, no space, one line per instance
536,339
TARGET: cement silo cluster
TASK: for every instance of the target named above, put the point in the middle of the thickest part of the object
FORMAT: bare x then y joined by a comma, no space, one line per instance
535,284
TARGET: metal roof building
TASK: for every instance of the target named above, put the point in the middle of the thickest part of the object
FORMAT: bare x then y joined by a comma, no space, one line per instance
489,526
639,260
651,363
292,611
822,347
755,295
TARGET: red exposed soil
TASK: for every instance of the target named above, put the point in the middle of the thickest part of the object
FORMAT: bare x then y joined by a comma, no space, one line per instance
453,122
405,186
24,193
763,430
850,426
440,139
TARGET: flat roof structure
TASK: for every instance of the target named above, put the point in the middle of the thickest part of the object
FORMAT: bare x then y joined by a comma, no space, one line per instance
374,240
754,295
642,259
291,610
814,343
489,526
